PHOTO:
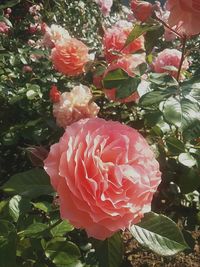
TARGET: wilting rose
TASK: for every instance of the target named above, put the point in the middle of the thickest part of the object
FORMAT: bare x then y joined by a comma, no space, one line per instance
75,105
55,34
142,10
105,175
4,28
69,57
127,63
114,40
185,15
168,61
105,6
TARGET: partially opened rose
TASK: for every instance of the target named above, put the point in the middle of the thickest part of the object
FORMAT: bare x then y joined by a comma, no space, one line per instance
168,61
72,106
115,38
105,175
185,14
128,63
55,34
70,56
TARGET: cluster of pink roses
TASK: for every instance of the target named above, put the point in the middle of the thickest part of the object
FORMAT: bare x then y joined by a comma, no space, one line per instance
104,172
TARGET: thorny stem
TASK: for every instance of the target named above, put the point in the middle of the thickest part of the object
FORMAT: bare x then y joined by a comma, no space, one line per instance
184,40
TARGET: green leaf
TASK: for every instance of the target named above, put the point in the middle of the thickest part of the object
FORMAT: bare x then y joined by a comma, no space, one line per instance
160,234
172,111
32,183
109,252
35,230
175,146
188,180
8,237
151,38
156,97
62,253
44,206
61,229
137,31
124,84
187,160
163,80
17,206
9,3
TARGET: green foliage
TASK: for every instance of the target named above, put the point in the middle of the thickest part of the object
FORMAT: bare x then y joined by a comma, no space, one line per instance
159,234
167,114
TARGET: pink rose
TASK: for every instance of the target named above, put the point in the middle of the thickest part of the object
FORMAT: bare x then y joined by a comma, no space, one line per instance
73,106
114,40
142,10
55,34
127,63
69,57
185,15
168,61
105,6
105,175
4,28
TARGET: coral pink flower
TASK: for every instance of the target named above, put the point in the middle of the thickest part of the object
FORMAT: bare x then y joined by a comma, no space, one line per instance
105,6
75,105
169,58
185,14
142,10
55,94
55,34
114,40
127,63
4,28
69,57
105,175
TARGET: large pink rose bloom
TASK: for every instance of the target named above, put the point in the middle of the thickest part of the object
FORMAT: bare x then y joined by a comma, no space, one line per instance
170,58
127,63
114,40
185,14
105,175
105,6
69,57
75,105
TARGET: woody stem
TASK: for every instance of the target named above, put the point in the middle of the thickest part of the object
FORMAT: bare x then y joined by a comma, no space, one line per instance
168,27
184,40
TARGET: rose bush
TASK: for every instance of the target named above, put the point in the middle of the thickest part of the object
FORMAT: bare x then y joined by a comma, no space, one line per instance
105,168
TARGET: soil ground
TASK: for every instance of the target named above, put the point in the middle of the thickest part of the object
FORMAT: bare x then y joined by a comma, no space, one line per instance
139,257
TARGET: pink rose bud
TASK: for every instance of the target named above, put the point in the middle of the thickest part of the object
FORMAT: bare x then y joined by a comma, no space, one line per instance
27,69
75,105
37,154
105,175
8,10
142,10
55,94
4,28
